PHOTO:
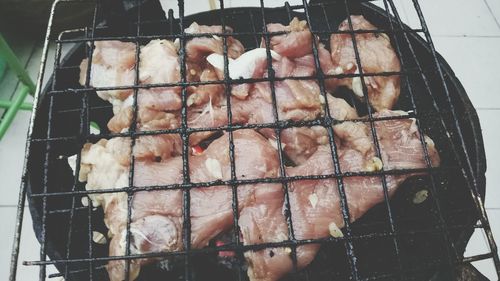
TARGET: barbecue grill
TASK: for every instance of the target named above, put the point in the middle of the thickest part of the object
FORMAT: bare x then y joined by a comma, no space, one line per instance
419,234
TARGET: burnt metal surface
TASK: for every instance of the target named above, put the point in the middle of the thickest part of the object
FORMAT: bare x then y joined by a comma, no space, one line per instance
396,240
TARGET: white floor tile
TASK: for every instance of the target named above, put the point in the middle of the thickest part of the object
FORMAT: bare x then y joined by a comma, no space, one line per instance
400,8
256,3
491,135
12,157
454,17
477,244
494,218
474,61
486,266
190,6
495,8
6,234
29,248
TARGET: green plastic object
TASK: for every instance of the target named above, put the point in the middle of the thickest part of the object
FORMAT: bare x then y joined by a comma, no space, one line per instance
3,67
12,110
26,88
7,103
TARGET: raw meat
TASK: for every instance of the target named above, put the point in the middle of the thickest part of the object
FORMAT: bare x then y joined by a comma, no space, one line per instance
112,65
200,47
315,204
156,223
376,55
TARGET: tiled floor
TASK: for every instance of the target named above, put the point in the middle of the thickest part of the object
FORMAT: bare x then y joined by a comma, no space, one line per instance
465,32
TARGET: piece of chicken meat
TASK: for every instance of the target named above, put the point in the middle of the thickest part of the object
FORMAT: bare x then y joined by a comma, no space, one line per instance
157,105
112,65
203,45
315,204
297,45
156,221
376,55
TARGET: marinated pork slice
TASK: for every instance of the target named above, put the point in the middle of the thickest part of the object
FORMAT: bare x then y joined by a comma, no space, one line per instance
296,42
112,65
159,64
159,107
156,224
298,58
297,45
315,204
376,55
200,47
154,107
202,94
264,222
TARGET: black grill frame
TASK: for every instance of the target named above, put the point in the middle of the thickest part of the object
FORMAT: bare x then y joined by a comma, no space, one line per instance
396,28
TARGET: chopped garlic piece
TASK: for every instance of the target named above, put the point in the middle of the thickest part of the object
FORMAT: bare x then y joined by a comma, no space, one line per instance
420,196
98,237
191,99
128,102
313,198
374,164
281,237
177,44
85,201
288,250
338,70
335,231
356,85
214,167
72,163
385,36
244,66
321,99
273,144
322,140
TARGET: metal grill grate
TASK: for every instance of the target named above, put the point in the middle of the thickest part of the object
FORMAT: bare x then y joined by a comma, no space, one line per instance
439,115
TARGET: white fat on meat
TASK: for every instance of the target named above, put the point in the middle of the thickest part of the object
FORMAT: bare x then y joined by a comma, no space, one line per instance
112,65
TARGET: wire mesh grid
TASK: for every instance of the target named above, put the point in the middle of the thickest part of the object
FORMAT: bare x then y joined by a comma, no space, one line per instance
90,262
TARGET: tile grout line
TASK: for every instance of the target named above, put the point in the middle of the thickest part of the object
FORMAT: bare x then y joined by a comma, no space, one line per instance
463,36
488,108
